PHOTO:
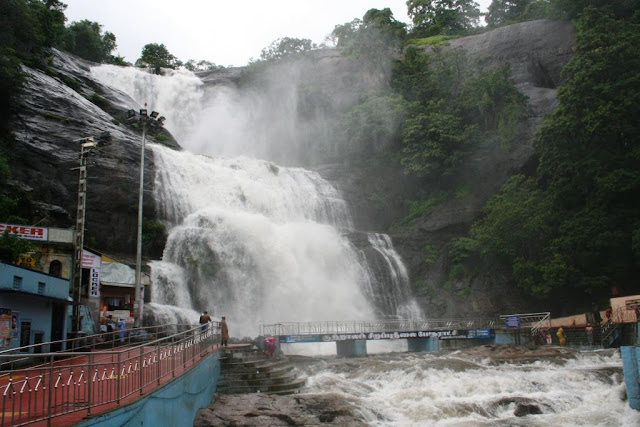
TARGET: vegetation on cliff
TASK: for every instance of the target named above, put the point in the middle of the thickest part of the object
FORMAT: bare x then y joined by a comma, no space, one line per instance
572,228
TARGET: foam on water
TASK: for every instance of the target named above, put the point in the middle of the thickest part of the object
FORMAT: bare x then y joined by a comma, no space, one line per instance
444,389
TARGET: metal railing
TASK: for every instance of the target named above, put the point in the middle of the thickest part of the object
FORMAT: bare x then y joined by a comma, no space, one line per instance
111,340
358,326
61,383
612,325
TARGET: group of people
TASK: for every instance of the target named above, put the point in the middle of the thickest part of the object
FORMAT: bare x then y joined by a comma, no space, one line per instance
205,319
107,324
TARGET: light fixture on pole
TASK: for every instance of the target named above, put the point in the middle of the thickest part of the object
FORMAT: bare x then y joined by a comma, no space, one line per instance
87,146
143,118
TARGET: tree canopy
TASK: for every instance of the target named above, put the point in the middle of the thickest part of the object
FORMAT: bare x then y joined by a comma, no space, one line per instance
85,39
285,48
157,56
431,17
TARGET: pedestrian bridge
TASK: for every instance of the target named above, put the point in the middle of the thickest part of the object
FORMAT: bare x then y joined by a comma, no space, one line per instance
422,334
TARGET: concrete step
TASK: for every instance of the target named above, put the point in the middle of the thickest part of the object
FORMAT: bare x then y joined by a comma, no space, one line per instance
251,375
285,388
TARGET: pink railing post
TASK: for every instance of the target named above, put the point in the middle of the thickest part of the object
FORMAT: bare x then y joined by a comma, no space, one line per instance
118,383
140,363
50,390
173,358
89,381
158,361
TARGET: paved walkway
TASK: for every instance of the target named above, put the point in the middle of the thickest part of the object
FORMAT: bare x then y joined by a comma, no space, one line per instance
31,395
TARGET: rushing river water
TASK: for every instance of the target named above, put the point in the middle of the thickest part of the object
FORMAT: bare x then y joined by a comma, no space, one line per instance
461,388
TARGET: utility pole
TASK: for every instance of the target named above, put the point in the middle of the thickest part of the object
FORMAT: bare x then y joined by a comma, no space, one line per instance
85,148
143,118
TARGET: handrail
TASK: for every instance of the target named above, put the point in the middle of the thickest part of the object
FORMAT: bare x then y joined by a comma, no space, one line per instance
60,383
83,339
545,321
612,324
366,326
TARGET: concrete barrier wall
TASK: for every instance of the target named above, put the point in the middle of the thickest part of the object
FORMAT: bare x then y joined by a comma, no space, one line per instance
173,404
631,367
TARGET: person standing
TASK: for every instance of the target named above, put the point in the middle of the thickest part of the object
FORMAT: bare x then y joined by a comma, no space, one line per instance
560,335
204,321
589,330
224,330
123,327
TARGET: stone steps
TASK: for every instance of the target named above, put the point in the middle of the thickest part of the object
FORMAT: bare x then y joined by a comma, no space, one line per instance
244,370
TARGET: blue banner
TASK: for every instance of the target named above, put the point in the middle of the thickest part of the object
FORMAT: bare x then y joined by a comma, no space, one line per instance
512,321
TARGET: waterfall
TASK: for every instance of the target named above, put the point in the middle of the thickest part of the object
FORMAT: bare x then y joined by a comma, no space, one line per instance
252,240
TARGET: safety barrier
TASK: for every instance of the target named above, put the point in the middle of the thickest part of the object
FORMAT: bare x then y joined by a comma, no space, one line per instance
358,326
62,383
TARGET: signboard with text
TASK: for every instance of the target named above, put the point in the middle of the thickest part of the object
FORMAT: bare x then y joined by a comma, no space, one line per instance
25,231
93,262
512,321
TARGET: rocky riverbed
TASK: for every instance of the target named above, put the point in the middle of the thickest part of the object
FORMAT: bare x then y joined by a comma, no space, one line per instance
273,410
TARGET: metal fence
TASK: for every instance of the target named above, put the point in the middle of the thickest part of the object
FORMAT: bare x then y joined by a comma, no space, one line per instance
357,326
527,320
90,379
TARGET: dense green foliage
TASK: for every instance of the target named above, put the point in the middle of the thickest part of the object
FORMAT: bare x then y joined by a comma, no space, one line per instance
11,247
374,38
85,39
157,56
452,114
431,17
285,48
201,65
573,228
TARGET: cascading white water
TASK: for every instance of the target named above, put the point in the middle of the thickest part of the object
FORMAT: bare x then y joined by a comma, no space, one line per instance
398,294
249,239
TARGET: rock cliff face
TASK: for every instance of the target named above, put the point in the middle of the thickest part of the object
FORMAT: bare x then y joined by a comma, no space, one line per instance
65,104
54,112
536,52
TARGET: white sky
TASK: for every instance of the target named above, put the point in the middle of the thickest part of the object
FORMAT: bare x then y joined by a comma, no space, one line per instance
227,32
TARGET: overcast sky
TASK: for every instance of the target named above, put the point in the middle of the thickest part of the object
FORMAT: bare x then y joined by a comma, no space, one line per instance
227,32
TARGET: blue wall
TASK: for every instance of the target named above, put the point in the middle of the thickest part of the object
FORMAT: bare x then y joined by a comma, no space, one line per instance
33,306
55,287
631,366
173,404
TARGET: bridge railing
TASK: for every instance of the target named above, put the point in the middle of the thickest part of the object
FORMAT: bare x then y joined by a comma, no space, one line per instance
62,383
104,340
358,326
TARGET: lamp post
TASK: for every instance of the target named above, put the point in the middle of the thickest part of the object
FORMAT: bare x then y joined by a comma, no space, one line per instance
143,118
87,146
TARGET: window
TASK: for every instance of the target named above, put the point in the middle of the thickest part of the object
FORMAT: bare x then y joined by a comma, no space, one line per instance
55,268
41,286
17,283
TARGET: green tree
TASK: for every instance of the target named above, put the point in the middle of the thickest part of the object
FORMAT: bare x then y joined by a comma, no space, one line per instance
377,35
431,17
286,47
502,12
202,65
157,57
11,247
86,40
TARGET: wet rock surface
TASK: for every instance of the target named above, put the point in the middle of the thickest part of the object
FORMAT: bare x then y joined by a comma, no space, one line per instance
273,410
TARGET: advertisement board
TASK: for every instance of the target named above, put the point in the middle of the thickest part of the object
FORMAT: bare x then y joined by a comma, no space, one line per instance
25,231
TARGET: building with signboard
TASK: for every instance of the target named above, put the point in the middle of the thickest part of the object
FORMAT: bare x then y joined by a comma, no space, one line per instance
34,293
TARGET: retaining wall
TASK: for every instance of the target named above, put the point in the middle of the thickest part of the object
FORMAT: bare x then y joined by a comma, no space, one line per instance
173,404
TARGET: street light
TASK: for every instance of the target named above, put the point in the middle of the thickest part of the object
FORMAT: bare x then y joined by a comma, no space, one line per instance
143,118
87,146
